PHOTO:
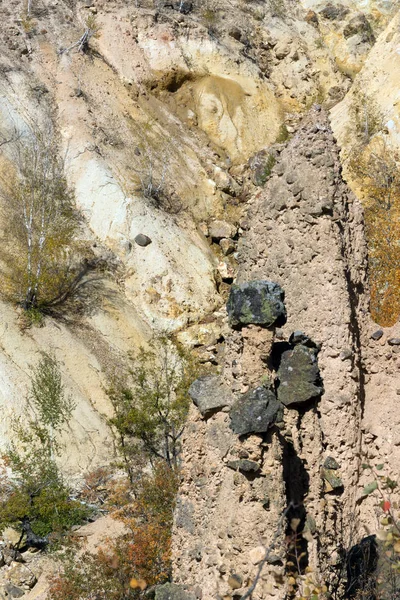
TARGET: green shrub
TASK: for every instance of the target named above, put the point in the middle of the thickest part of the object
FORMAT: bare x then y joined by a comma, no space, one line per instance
152,404
35,491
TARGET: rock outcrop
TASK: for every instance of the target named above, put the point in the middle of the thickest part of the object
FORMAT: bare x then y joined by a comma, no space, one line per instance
305,232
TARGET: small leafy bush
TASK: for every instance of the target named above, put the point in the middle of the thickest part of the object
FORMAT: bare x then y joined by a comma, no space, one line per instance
152,403
123,568
33,491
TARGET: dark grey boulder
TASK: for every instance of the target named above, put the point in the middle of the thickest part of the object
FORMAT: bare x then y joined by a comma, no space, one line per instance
255,412
210,394
244,464
13,591
334,11
394,342
298,376
377,335
359,25
256,302
142,240
172,591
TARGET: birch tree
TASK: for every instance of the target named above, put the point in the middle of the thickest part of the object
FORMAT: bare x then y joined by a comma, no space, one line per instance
39,223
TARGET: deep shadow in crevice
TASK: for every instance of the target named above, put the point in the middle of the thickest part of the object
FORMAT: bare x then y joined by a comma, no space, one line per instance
297,483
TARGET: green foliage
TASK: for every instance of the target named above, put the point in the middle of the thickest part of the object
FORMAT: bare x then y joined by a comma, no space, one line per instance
54,409
366,117
36,490
283,134
151,407
38,208
267,167
123,568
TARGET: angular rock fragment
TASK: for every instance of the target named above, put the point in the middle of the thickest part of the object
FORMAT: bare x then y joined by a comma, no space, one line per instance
256,302
255,412
245,465
377,335
221,229
330,463
331,479
12,591
210,394
394,341
298,376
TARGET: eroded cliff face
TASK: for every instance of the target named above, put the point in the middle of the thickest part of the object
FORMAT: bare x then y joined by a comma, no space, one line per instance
305,232
185,99
199,99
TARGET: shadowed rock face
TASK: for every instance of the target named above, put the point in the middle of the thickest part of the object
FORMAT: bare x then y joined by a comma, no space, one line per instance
298,375
255,412
256,302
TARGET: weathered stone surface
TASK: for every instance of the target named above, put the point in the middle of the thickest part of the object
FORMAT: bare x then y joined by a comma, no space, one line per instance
377,335
334,11
227,246
298,337
171,591
12,537
256,302
184,515
298,376
359,24
331,477
12,591
21,575
221,229
254,412
330,463
235,581
245,465
142,240
210,394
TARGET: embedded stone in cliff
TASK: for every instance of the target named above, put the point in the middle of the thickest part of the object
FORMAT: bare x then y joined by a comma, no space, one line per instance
332,481
210,394
330,463
359,25
377,335
142,240
255,412
298,337
221,229
256,302
298,376
172,591
244,464
333,12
